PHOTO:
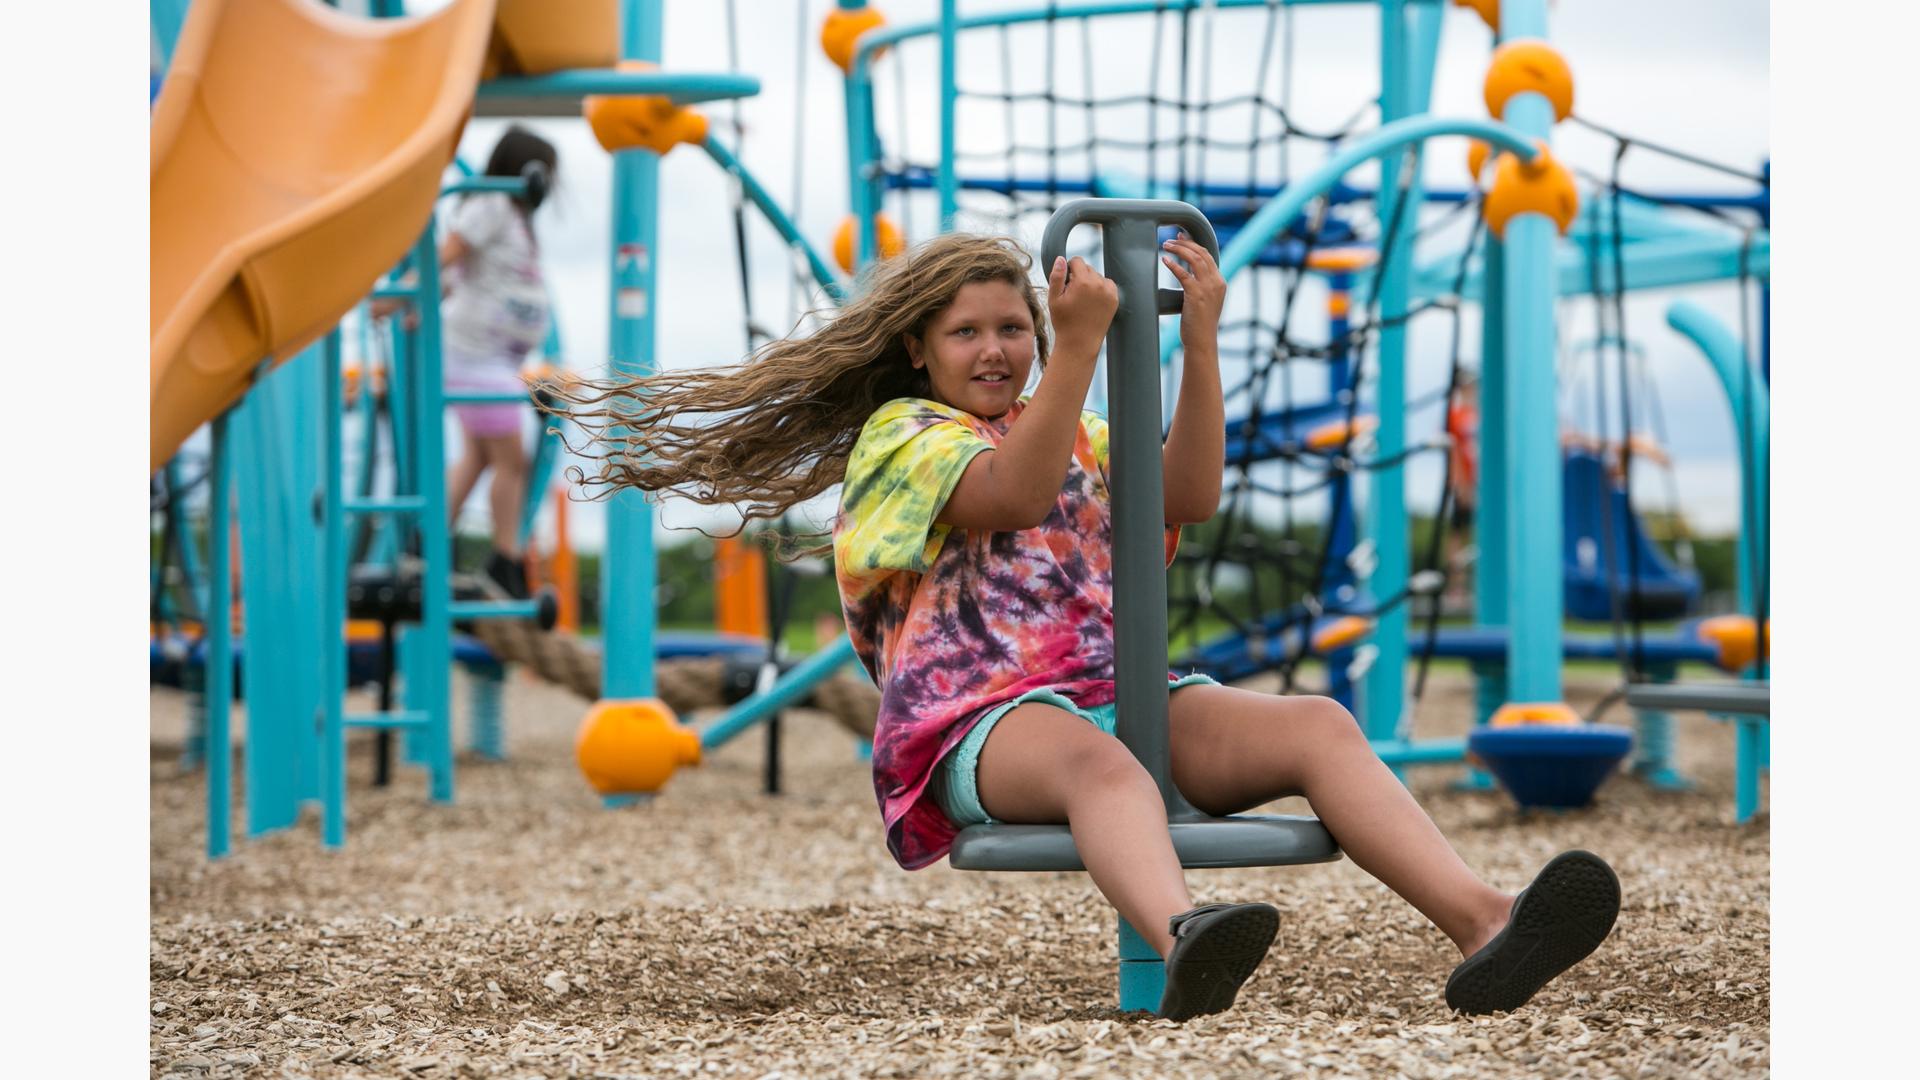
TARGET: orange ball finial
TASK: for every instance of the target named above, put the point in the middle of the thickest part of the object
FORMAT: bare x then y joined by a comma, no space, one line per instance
887,238
631,121
1488,10
1526,713
633,747
1529,65
1477,154
840,33
1542,186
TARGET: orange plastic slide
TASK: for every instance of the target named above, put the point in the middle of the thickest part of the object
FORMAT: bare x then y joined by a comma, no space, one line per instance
297,153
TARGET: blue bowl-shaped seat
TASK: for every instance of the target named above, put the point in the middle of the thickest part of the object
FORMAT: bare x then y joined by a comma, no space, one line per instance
1550,764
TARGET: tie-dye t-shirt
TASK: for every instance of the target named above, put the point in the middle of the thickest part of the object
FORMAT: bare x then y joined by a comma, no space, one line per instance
950,622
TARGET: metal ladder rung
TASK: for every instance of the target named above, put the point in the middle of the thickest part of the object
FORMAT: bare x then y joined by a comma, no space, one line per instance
493,609
403,718
402,504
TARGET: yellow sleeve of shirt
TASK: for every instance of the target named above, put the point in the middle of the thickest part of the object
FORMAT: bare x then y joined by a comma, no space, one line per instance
904,466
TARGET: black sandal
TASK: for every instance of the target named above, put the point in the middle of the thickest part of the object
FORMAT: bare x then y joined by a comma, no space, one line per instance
1555,923
1215,949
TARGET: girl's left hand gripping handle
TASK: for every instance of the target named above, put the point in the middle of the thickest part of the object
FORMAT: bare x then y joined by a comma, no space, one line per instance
1053,243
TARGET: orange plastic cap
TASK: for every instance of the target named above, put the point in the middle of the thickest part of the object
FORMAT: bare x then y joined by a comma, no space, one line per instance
1477,154
1341,632
1521,713
1542,186
632,747
1529,65
840,33
1734,636
1337,433
886,235
1488,10
1340,259
631,121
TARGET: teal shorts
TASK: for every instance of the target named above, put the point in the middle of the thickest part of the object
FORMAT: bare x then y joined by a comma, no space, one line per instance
956,784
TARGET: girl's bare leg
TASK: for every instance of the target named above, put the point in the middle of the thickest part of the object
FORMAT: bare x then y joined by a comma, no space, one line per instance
509,461
1235,749
463,476
1044,765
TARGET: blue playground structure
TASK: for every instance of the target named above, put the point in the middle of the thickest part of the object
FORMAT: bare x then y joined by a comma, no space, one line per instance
1337,249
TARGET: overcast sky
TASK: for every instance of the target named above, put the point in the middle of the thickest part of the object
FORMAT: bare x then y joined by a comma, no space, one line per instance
1692,75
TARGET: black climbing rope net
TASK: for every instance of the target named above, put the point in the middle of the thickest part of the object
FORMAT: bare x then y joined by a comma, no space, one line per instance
1041,123
1603,214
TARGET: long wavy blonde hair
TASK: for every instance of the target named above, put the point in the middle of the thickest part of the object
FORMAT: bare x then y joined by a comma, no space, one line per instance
776,430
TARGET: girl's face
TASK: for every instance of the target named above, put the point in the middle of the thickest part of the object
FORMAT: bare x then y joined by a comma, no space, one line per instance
979,350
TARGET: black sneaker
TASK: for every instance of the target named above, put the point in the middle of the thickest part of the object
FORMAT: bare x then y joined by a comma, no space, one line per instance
505,571
1215,949
1556,922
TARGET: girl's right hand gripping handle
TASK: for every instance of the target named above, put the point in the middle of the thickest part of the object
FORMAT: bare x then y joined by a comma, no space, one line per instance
1053,243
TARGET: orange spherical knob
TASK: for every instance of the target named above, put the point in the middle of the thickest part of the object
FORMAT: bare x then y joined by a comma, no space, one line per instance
887,239
1541,186
1489,11
632,747
1736,638
1477,154
1522,713
1341,633
632,121
840,33
1529,65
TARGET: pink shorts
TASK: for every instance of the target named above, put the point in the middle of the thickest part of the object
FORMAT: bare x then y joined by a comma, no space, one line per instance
488,421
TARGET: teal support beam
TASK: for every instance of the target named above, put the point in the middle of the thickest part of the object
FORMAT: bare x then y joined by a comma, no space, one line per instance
946,183
1661,263
277,449
1490,497
823,274
1382,689
1747,398
863,143
434,636
219,663
1535,597
1143,975
791,688
333,595
1280,211
627,588
561,93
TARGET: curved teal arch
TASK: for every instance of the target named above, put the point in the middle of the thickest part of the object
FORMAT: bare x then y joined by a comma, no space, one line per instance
1747,398
1281,210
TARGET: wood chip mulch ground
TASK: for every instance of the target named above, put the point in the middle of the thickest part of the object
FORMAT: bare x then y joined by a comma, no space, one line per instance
527,931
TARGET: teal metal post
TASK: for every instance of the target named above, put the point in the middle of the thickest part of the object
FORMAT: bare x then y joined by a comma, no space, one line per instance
627,590
277,449
1383,688
862,149
1490,497
946,183
1534,599
333,601
219,662
430,656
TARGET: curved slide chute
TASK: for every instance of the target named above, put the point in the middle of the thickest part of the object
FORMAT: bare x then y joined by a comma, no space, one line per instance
297,153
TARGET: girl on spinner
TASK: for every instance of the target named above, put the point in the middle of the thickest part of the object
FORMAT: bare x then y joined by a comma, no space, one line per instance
973,553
